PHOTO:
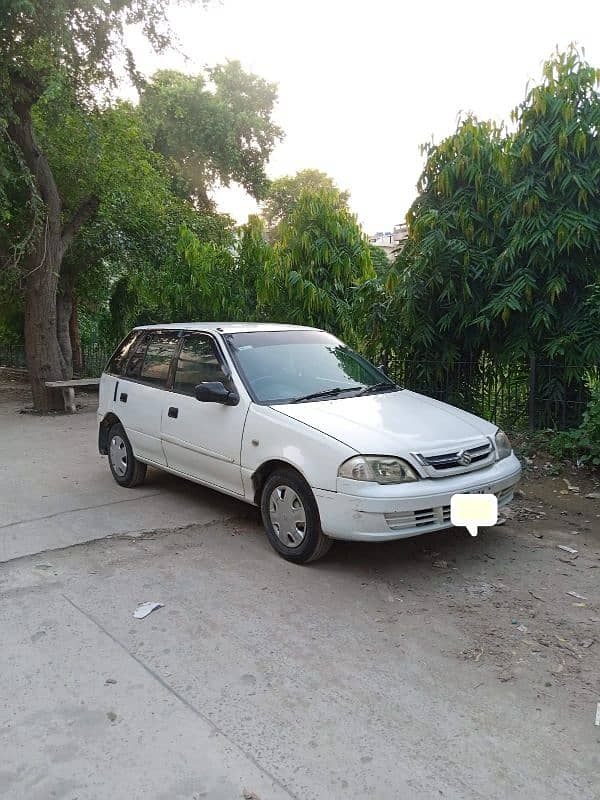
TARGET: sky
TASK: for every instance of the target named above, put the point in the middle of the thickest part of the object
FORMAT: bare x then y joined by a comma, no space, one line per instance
363,84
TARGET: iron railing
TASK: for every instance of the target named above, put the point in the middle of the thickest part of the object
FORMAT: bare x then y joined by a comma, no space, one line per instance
519,394
94,357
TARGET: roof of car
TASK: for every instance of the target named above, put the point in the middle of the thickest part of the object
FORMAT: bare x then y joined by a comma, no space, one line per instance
225,327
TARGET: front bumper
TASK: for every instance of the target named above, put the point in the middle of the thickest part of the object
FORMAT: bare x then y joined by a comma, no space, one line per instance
369,512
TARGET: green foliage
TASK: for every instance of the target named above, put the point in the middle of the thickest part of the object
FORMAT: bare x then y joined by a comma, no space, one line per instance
80,40
253,254
552,249
583,442
440,278
213,127
503,253
107,153
381,262
319,262
195,283
283,195
202,280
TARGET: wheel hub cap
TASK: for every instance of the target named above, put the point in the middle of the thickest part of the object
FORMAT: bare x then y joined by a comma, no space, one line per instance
118,455
287,516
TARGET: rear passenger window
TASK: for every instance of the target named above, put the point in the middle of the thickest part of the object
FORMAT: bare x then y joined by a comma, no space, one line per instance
198,362
116,365
158,357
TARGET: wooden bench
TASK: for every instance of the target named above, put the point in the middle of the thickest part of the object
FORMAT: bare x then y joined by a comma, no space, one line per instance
68,389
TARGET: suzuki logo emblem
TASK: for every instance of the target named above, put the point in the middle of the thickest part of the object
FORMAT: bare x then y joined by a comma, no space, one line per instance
464,458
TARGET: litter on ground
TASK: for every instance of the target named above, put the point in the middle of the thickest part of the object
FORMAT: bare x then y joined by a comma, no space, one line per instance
578,596
146,608
567,549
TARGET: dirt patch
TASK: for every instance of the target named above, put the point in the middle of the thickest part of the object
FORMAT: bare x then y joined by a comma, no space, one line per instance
14,385
536,614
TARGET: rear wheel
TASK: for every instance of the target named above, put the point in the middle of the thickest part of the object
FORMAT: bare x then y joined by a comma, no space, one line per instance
291,518
126,469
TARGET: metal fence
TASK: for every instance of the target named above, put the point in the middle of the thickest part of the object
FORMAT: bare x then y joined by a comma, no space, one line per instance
94,356
12,355
513,395
518,394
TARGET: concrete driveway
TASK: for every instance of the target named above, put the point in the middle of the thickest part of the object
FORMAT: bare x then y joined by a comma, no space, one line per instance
58,491
382,672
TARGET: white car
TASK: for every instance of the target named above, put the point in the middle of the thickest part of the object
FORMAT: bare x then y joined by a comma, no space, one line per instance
290,419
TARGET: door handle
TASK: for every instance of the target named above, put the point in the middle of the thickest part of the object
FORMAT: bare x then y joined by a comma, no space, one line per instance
123,397
173,412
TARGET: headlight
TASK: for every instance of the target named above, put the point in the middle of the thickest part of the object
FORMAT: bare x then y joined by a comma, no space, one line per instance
503,445
377,469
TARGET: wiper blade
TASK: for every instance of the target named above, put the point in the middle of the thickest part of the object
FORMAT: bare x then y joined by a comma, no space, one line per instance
325,393
384,386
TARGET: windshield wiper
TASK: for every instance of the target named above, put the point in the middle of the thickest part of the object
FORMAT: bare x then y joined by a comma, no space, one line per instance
384,386
326,393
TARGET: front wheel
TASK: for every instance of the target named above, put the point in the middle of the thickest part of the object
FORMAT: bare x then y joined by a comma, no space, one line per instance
126,469
291,518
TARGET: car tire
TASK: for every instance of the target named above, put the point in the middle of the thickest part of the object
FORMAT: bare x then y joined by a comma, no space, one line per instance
291,518
125,468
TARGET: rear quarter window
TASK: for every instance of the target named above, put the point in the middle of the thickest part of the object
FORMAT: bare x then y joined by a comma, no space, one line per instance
134,365
118,360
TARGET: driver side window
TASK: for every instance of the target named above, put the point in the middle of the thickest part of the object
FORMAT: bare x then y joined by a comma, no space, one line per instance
198,362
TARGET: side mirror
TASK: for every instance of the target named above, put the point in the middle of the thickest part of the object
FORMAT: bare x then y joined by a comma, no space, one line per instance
215,392
382,368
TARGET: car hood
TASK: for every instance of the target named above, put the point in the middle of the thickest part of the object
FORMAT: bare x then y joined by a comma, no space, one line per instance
391,423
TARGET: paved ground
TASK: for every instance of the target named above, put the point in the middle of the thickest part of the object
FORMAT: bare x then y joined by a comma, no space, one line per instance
58,491
435,667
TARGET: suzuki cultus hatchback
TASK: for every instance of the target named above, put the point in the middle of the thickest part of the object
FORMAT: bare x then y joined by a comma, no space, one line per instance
290,419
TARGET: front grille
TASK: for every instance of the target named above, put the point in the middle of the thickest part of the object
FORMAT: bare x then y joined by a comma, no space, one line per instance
464,457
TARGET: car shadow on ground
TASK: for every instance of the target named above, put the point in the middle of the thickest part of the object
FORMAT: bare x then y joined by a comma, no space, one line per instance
197,494
437,556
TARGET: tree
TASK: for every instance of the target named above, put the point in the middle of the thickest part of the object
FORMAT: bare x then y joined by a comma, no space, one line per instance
319,262
283,195
440,280
551,258
544,279
224,133
207,280
253,256
105,153
74,44
503,254
381,262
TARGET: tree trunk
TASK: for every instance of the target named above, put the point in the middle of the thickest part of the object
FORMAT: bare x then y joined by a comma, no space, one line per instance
46,329
42,352
75,335
64,310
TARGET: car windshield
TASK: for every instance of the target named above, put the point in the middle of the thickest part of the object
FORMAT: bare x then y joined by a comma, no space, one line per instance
302,366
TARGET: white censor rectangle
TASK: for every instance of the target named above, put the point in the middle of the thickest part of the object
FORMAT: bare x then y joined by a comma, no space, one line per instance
474,511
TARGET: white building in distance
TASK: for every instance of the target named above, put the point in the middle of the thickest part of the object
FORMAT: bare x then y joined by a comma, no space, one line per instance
390,241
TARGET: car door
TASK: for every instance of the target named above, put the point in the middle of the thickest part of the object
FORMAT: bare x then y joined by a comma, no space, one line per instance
139,396
203,440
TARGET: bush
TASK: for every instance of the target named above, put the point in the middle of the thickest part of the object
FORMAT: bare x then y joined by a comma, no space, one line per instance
583,442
